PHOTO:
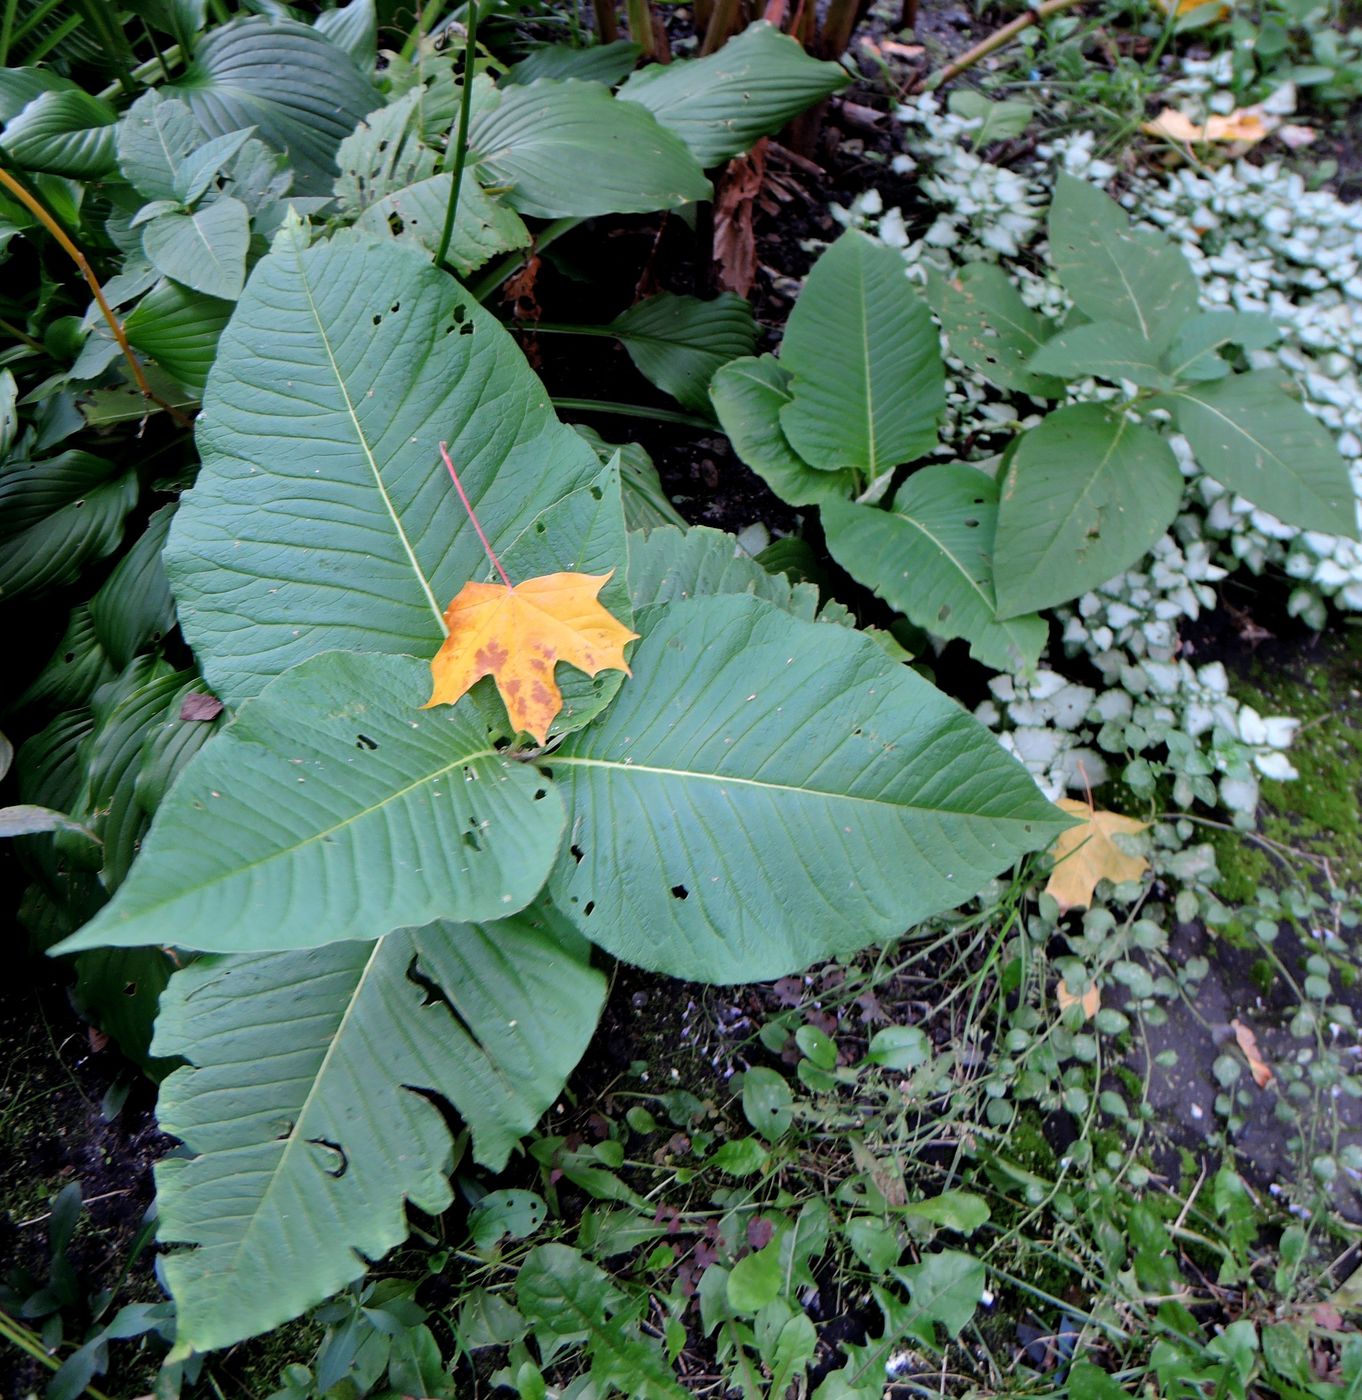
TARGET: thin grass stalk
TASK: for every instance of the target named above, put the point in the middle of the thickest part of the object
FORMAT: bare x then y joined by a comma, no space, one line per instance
461,145
645,29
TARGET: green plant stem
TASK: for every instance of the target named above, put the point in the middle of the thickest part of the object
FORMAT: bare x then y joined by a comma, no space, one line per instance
607,25
461,146
164,61
13,330
634,410
6,29
997,40
422,26
16,1334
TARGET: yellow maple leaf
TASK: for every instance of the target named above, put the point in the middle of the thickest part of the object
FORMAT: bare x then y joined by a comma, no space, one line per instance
1091,1000
1085,854
518,634
1244,124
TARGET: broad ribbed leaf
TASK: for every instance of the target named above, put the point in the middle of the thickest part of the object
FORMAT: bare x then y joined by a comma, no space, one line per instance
1086,494
179,329
302,93
931,557
719,105
19,86
789,792
75,668
133,607
335,807
1104,350
311,1101
990,328
868,383
1249,435
57,516
600,63
678,342
1116,272
570,150
748,396
322,517
645,502
352,26
154,137
205,250
64,133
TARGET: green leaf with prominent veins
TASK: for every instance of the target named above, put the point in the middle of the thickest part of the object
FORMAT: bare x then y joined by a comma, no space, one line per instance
1251,436
720,104
567,149
789,792
679,342
333,808
1104,350
383,154
64,133
155,136
179,329
868,383
1084,496
931,557
311,1101
206,250
1116,272
322,517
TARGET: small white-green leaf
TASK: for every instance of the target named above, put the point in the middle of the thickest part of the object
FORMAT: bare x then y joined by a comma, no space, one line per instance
868,384
1251,436
678,342
335,807
931,557
202,166
205,250
1104,350
945,1287
1085,495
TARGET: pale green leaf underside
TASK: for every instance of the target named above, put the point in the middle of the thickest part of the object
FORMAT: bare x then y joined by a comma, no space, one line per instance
1086,494
322,517
868,384
307,1101
788,792
335,808
206,250
931,557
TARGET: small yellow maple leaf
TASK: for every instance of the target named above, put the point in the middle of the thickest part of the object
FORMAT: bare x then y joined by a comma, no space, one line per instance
1085,854
1091,1000
1244,124
518,634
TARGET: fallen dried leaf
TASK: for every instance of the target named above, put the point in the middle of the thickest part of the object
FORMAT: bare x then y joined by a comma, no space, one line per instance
1091,1000
1248,1043
735,244
1296,136
1245,124
197,706
1086,854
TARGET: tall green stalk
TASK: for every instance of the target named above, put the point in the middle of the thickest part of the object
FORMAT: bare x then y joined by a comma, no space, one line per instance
461,146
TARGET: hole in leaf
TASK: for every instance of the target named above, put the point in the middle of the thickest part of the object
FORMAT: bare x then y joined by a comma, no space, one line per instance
973,524
470,839
396,307
466,328
377,319
363,741
70,657
435,995
459,314
540,527
540,794
577,853
680,892
334,1161
395,224
596,493
130,989
588,907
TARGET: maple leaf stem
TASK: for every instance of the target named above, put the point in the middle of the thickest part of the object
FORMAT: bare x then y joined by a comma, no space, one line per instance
472,515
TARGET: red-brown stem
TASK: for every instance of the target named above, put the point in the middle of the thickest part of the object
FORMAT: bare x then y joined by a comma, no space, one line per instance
472,515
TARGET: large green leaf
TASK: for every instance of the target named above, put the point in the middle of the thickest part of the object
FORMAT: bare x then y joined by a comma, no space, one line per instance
1085,495
782,792
322,517
931,557
73,671
719,105
748,396
868,383
154,137
645,502
1116,272
353,27
568,149
58,515
301,93
179,329
311,1101
333,808
133,607
990,328
679,342
383,154
600,63
1252,437
64,133
205,250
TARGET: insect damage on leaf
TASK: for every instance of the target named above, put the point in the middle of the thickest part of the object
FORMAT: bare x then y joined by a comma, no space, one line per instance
1086,853
518,633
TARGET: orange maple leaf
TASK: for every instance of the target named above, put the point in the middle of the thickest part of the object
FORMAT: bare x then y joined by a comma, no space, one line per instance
518,633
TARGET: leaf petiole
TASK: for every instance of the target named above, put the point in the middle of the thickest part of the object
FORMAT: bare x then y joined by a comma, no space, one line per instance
468,506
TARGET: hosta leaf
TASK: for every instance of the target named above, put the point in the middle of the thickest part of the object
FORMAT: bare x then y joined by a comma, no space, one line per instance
333,808
311,1101
483,225
645,502
206,250
322,517
568,149
301,93
133,607
748,396
154,137
57,516
1116,272
179,329
873,401
352,26
990,328
790,792
19,86
931,557
601,63
719,105
678,342
1085,495
1252,437
64,133
1105,350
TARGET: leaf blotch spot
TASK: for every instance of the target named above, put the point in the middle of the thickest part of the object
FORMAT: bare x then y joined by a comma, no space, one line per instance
334,1161
470,839
378,319
943,612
